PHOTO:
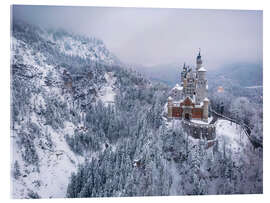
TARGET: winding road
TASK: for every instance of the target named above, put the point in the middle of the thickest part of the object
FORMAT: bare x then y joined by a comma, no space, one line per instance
255,142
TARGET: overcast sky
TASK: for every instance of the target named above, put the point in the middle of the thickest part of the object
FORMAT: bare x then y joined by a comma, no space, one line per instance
160,36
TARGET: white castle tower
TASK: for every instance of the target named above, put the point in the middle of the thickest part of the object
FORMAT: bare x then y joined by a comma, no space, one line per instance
201,83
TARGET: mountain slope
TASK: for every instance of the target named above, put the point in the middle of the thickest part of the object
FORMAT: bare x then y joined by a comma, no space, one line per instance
63,46
55,77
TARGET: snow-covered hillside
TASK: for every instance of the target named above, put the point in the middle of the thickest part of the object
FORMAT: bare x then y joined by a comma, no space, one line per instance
36,81
232,156
229,135
56,164
63,44
234,138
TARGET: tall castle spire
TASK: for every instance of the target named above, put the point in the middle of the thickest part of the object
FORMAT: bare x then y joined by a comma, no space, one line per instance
184,67
199,60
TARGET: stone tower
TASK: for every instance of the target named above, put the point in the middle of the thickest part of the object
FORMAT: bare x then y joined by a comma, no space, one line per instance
201,89
201,83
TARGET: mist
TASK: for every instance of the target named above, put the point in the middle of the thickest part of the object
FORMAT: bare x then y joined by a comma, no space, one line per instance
152,36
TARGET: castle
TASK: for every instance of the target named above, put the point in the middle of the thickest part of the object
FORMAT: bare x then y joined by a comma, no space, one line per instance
189,99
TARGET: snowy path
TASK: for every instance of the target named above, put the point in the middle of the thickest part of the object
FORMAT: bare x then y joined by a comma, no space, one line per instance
247,130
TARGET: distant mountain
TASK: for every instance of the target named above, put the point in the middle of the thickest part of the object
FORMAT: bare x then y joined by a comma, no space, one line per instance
166,73
243,74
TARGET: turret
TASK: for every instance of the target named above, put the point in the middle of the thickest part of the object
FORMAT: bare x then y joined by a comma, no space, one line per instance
183,73
184,67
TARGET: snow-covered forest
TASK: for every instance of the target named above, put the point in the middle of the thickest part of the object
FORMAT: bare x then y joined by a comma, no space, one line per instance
85,125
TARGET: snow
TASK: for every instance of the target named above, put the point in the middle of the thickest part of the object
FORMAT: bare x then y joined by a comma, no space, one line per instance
57,163
234,138
202,69
206,99
229,136
174,123
92,49
55,166
199,105
69,128
232,134
202,122
107,94
60,164
177,87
